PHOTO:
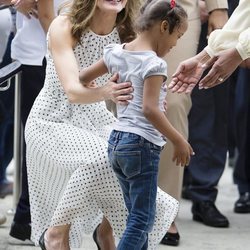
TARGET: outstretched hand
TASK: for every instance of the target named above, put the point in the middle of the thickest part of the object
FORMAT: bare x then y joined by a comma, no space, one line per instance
187,75
224,64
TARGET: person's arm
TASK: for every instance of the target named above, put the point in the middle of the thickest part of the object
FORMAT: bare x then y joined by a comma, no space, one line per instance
61,46
6,2
89,74
217,14
158,119
234,35
46,13
227,61
228,37
225,64
189,72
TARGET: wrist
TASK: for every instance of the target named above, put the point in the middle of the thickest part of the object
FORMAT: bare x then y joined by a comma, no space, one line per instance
223,10
104,93
177,139
236,55
203,57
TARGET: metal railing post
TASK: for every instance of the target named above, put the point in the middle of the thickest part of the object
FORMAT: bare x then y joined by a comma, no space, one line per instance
6,74
17,140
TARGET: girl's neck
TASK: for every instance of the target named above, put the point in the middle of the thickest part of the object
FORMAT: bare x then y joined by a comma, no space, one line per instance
103,23
143,42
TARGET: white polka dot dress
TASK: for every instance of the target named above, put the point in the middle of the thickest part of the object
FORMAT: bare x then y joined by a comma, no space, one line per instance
70,179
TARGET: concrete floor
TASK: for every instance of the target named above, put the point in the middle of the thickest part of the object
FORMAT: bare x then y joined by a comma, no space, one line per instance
194,236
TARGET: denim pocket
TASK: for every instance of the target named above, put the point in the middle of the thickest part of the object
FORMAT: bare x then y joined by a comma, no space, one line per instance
129,162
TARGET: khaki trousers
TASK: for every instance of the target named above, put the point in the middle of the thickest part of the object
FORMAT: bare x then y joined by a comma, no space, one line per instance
170,175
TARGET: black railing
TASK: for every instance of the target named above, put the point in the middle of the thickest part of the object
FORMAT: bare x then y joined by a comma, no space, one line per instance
7,73
4,6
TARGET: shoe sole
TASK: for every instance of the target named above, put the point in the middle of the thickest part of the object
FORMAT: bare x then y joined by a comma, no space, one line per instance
170,243
241,211
198,218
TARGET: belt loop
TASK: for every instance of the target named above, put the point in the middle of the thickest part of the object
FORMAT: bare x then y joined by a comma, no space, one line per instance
117,136
142,141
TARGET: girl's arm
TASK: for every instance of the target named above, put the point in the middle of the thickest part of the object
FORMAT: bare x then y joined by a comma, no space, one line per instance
158,119
152,112
61,45
89,74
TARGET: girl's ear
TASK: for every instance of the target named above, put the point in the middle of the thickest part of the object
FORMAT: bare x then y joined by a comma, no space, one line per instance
164,26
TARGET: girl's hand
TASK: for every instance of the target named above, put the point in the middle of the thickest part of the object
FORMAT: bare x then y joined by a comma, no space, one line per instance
182,153
120,93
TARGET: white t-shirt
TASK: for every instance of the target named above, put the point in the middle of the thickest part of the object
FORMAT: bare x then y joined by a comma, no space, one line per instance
5,29
29,44
135,67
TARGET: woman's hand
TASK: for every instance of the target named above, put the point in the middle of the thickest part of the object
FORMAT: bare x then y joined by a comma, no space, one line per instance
26,7
120,93
187,75
225,64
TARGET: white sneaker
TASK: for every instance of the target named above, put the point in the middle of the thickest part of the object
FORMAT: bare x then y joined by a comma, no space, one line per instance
3,219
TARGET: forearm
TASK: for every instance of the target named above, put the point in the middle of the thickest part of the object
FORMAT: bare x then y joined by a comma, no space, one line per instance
5,2
218,14
216,4
161,123
80,94
45,13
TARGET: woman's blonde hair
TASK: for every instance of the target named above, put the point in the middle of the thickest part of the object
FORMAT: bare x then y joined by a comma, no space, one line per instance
81,12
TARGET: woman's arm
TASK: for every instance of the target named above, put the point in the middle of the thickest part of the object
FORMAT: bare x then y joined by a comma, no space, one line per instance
228,37
46,13
61,45
233,39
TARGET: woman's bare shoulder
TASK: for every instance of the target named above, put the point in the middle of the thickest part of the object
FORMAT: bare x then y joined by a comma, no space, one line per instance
60,30
61,23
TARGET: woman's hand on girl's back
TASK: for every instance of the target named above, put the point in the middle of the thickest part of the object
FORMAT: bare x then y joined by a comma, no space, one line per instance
120,93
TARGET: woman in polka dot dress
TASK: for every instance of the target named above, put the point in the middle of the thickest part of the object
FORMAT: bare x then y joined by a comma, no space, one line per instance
71,184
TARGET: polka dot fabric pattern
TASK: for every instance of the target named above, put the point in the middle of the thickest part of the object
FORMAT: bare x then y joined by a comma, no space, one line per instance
70,179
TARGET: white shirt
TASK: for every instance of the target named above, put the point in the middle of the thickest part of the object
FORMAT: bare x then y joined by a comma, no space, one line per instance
29,44
135,67
235,33
5,29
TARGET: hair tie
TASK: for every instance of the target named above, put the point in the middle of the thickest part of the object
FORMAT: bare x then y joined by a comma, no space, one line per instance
172,4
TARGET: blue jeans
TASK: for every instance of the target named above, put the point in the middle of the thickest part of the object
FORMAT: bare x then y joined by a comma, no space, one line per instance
135,162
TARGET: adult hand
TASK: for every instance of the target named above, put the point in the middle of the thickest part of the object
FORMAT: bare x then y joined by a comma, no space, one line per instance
217,19
120,93
189,73
5,2
225,64
26,7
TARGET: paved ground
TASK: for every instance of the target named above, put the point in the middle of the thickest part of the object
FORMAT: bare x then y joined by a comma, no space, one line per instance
194,236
